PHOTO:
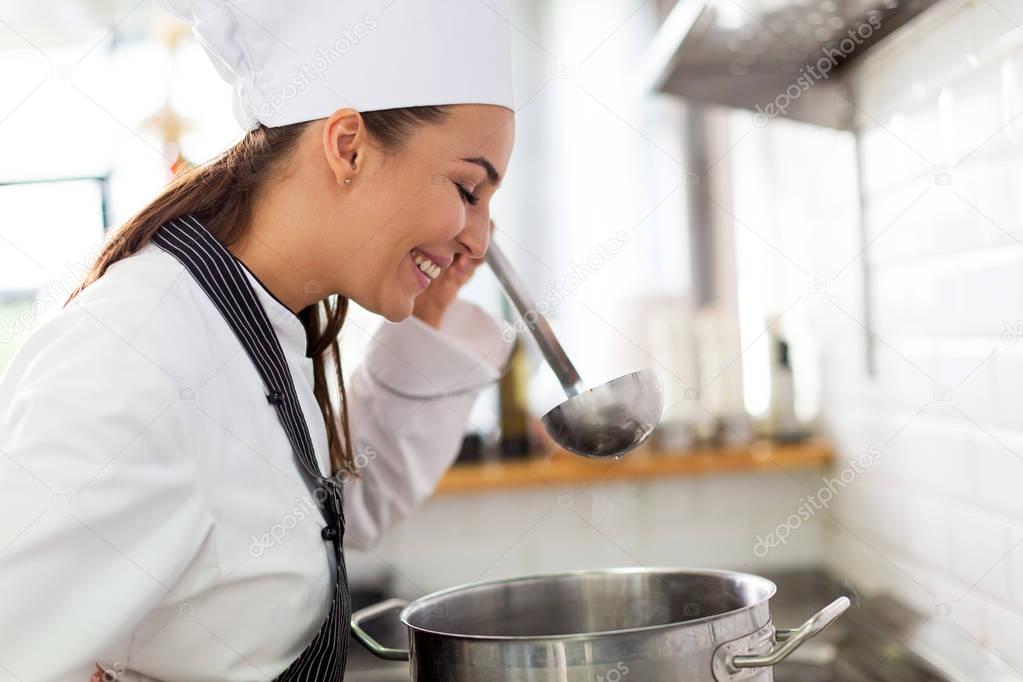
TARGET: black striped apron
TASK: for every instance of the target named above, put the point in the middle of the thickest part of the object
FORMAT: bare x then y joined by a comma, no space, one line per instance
222,278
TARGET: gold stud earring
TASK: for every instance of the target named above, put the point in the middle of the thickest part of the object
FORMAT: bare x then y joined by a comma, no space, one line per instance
348,181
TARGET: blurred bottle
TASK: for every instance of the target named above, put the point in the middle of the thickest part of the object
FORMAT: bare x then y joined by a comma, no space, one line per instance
515,441
721,417
781,423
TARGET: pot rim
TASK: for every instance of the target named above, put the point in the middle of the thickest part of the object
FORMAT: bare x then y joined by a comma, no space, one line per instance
771,590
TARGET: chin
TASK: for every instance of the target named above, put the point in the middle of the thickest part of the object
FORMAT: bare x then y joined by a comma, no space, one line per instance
396,311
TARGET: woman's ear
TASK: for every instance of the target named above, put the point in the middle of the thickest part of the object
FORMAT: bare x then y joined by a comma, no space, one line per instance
344,139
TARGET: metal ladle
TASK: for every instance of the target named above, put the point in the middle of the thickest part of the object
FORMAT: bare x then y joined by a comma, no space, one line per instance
606,421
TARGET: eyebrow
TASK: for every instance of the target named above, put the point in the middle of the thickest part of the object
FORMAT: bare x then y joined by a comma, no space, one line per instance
492,175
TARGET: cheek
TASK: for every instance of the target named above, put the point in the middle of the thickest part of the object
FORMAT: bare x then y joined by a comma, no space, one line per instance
437,221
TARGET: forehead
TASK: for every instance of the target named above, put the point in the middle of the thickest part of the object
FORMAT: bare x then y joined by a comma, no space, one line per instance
474,130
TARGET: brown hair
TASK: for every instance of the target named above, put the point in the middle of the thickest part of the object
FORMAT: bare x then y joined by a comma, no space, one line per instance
220,194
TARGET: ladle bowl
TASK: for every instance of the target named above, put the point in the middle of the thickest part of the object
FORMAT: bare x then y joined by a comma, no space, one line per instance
611,419
605,421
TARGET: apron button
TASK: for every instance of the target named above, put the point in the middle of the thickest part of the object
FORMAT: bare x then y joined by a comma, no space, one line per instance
329,533
275,397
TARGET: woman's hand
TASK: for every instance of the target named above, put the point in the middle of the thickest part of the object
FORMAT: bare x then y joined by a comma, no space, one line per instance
431,305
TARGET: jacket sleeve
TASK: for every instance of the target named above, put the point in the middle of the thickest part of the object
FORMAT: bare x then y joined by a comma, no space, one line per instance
402,444
99,513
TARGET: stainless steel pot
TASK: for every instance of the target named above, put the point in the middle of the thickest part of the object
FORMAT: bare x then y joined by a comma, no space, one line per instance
597,626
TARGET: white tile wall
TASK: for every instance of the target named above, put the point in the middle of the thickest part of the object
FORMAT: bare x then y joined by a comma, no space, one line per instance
708,522
939,520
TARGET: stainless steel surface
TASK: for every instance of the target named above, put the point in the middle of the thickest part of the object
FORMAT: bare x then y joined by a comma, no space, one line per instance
537,324
609,420
650,624
367,640
790,640
606,421
875,642
718,52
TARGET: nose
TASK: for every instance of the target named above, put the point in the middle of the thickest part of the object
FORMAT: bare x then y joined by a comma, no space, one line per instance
475,238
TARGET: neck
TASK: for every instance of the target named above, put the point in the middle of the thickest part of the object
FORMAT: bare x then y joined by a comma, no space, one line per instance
275,249
283,243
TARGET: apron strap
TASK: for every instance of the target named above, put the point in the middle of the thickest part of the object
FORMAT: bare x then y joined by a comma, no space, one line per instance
220,275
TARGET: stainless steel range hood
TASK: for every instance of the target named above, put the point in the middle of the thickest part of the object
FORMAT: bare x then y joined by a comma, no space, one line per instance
771,55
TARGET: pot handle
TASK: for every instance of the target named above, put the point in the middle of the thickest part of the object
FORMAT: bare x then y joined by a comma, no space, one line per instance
375,647
791,639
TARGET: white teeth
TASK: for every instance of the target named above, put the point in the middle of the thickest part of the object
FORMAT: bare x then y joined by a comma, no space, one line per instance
427,266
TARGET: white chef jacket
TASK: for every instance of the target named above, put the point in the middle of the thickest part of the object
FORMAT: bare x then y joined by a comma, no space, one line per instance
153,518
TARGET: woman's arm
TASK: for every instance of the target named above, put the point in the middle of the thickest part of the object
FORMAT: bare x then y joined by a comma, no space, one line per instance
99,512
403,446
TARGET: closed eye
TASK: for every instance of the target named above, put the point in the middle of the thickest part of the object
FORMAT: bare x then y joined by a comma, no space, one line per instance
467,196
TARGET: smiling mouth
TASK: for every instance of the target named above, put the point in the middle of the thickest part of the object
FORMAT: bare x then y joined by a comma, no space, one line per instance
425,265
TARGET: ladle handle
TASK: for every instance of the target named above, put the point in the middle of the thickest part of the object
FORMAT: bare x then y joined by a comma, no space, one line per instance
537,324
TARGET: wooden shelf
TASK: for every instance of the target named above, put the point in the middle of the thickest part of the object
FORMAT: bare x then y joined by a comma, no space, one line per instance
565,469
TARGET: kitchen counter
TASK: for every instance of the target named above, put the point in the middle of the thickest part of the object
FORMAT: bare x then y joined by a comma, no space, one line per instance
867,644
564,468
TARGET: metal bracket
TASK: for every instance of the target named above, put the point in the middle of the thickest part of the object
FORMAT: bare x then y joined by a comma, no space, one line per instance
759,642
734,663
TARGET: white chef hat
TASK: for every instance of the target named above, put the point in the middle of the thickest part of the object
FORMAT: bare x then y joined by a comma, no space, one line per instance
298,60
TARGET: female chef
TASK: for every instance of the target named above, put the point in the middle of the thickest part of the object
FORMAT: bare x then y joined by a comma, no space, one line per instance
175,441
